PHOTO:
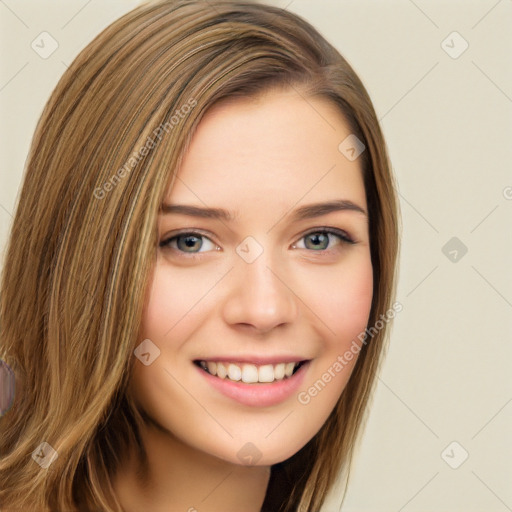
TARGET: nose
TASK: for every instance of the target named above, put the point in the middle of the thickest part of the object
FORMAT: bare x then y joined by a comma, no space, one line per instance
259,298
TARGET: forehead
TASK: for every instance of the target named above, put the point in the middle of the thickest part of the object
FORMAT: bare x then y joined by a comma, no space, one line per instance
264,154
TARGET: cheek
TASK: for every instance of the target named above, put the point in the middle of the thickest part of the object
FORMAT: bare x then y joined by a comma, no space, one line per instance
352,303
342,300
174,299
343,306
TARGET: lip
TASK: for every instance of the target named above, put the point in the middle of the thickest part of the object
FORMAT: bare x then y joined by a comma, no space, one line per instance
260,394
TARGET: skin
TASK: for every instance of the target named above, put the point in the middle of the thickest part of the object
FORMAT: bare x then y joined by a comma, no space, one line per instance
260,158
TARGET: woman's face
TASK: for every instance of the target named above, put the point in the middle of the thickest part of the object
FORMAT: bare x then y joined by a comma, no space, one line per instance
253,277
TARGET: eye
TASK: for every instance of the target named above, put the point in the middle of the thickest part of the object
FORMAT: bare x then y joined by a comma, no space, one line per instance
320,239
190,242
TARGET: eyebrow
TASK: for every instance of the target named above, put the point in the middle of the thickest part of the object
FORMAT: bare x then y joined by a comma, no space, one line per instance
308,211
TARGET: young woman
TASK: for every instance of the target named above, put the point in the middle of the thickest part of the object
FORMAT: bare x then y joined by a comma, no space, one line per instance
200,272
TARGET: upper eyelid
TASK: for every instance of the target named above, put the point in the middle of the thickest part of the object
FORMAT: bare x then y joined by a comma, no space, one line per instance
194,232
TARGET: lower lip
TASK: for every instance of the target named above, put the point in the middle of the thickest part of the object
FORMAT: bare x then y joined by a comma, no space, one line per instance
258,394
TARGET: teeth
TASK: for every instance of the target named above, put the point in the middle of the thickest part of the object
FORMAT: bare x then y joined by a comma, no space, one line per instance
289,369
234,372
279,371
266,373
249,373
221,371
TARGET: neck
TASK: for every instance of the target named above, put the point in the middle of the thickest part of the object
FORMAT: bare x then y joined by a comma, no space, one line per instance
179,478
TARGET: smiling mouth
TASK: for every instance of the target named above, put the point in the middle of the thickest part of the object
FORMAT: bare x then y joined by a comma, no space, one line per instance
250,373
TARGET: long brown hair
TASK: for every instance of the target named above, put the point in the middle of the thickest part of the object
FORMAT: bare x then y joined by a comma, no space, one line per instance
84,237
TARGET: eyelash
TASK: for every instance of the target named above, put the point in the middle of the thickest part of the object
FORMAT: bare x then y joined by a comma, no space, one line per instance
340,234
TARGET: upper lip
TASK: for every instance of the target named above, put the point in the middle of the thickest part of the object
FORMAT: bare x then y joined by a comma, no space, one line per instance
258,360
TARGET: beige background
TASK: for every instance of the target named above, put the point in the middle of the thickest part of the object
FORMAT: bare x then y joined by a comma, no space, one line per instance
448,124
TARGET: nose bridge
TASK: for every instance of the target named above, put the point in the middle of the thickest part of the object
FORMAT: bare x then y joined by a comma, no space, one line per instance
258,296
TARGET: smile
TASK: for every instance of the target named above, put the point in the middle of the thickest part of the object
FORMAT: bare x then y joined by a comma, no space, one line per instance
250,373
254,384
